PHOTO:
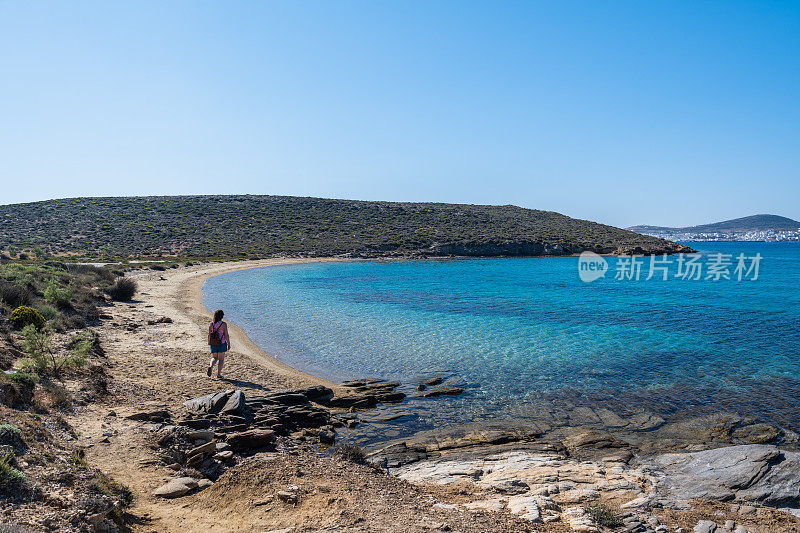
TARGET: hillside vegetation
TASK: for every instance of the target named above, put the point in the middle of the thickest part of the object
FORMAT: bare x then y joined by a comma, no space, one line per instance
258,226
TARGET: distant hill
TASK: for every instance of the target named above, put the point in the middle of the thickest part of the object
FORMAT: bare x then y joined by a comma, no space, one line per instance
257,226
744,224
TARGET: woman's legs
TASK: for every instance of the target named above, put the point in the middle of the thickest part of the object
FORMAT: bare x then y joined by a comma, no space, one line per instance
211,363
221,361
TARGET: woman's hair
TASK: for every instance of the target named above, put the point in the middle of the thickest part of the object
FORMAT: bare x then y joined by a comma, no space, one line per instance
218,314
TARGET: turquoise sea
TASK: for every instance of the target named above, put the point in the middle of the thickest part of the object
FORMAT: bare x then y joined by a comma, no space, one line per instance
513,331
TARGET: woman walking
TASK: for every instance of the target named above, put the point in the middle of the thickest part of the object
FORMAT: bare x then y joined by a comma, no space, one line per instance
219,341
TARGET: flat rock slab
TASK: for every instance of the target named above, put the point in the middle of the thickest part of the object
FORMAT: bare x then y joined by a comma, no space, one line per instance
251,439
209,448
210,403
753,473
175,488
150,416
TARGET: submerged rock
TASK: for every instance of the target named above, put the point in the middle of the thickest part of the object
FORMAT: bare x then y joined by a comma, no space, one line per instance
757,433
444,391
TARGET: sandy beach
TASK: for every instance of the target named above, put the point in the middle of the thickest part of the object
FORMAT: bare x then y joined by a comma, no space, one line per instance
184,296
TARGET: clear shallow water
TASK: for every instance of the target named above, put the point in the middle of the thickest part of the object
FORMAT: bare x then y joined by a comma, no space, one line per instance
514,331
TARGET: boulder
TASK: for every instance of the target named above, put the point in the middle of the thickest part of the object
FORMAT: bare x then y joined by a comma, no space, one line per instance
236,404
511,486
288,398
195,423
317,393
195,461
225,457
287,496
176,487
210,403
305,417
593,439
251,439
705,526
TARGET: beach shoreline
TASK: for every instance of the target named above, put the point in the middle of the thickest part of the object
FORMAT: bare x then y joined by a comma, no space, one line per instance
188,300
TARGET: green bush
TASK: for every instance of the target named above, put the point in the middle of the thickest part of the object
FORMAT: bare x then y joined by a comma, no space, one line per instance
43,360
48,312
11,435
22,379
11,479
58,296
23,316
14,294
59,396
38,346
24,385
77,457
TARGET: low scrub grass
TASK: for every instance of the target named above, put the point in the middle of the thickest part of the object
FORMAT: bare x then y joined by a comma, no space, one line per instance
123,289
350,452
603,515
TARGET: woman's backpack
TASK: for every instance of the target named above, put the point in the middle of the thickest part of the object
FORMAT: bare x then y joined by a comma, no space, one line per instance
215,339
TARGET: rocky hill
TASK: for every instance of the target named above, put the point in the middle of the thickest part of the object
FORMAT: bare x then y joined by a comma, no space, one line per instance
743,224
256,226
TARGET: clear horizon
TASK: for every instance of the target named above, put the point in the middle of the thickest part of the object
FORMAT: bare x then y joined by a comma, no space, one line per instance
665,114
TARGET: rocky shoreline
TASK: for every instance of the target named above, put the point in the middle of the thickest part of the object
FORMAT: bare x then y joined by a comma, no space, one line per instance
258,449
554,482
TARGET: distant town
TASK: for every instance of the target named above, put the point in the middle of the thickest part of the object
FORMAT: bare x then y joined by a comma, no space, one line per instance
761,228
755,235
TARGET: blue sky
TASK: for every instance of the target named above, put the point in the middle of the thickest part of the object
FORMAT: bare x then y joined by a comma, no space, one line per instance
669,113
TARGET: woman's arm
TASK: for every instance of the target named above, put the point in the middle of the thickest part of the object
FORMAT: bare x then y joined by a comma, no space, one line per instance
227,335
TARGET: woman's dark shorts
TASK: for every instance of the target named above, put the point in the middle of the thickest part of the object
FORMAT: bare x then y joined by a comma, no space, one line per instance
222,348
